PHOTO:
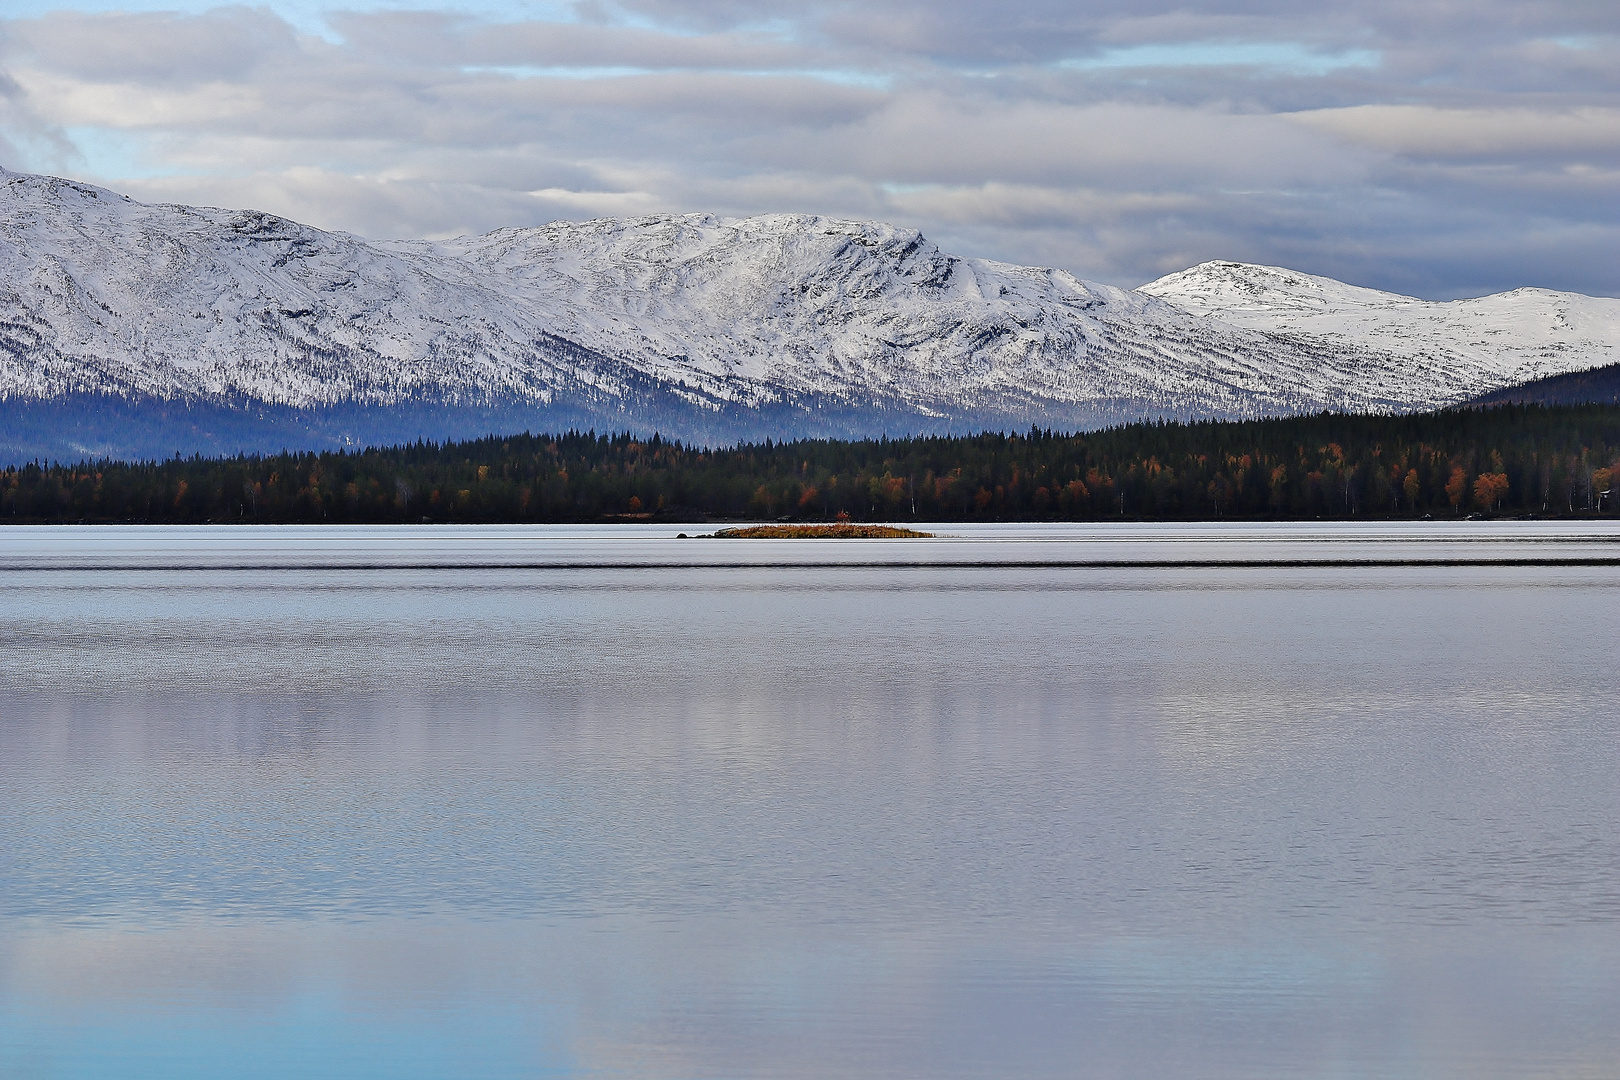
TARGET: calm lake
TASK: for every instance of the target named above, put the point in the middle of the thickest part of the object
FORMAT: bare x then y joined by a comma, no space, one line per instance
1024,801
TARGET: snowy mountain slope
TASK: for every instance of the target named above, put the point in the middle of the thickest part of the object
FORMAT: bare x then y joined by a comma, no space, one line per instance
102,294
704,328
1498,340
857,309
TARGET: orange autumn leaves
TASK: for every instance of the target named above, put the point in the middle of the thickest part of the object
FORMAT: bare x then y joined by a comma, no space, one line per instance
1489,489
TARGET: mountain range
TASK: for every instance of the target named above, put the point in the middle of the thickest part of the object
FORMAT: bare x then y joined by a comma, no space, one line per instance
136,330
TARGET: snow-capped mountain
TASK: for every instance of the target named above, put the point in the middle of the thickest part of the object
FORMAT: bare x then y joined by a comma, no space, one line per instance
750,309
132,328
1496,340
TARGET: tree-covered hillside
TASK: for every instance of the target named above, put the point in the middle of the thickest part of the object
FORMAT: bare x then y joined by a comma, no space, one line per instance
1507,460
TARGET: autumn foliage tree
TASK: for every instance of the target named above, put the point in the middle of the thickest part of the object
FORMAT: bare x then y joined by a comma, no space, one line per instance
1457,487
1490,489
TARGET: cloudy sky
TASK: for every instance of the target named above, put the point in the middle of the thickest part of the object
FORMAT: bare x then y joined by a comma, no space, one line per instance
1436,147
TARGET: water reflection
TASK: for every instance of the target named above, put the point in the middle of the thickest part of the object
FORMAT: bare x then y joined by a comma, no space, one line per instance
490,822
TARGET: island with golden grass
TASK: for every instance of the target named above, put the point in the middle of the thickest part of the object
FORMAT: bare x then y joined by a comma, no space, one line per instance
843,530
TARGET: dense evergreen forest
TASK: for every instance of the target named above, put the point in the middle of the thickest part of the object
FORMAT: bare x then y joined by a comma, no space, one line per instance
1508,460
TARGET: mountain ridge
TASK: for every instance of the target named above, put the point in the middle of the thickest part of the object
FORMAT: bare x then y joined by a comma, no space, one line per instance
707,328
1592,386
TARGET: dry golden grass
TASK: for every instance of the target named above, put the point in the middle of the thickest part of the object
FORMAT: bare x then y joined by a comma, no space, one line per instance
840,531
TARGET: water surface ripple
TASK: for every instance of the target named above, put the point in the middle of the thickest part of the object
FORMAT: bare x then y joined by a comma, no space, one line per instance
1043,801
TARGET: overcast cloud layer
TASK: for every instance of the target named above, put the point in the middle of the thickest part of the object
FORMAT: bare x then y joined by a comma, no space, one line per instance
1433,147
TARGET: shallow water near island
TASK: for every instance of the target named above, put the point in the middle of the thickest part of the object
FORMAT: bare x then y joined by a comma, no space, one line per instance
1037,801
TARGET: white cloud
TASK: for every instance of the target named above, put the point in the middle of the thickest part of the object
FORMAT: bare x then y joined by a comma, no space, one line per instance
1416,145
1427,131
1282,56
1024,206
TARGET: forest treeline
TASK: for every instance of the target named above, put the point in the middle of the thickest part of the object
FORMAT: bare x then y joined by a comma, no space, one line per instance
1514,459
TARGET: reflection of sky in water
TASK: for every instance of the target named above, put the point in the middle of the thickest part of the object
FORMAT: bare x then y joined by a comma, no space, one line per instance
711,997
304,1034
858,822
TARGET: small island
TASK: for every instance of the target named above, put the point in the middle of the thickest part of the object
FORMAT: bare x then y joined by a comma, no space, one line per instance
842,530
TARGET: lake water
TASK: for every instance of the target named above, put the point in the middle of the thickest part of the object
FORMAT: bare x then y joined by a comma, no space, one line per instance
1181,801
